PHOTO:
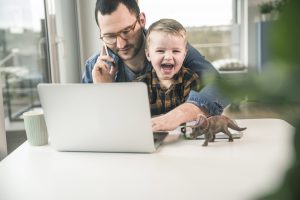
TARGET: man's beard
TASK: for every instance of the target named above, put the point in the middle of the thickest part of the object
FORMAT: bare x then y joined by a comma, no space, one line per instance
134,48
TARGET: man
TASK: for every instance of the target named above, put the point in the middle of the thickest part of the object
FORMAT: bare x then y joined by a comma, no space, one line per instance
122,29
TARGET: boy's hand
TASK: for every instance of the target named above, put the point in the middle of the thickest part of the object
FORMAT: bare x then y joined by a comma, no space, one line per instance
102,72
164,123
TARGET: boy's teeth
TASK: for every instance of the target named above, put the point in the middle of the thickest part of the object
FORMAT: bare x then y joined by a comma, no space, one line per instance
167,65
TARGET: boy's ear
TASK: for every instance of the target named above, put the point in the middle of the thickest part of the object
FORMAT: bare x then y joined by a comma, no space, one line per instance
186,50
147,55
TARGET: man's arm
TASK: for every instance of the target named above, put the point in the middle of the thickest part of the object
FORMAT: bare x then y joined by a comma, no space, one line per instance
98,71
89,65
209,96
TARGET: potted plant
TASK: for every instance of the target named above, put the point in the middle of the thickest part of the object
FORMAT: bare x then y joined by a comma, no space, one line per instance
265,10
278,7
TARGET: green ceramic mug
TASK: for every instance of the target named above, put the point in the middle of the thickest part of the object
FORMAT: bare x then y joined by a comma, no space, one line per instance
35,127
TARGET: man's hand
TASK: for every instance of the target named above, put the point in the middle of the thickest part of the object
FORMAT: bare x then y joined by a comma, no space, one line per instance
102,72
171,120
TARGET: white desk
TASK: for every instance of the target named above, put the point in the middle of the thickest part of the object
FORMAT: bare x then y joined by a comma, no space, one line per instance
180,169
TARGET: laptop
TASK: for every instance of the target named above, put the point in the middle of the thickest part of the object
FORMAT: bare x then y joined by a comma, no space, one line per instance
108,117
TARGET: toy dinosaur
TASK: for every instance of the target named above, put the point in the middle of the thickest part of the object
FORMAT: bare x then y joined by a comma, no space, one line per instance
211,126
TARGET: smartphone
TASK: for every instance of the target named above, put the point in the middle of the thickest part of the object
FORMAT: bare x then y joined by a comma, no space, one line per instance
105,53
104,50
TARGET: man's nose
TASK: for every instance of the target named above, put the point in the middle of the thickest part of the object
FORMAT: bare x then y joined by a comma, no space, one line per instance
121,43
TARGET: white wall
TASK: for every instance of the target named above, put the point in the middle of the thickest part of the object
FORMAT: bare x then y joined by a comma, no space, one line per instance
252,36
3,146
64,41
67,32
88,30
243,20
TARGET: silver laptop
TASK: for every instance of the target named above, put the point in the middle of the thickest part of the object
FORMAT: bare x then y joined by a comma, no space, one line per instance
110,117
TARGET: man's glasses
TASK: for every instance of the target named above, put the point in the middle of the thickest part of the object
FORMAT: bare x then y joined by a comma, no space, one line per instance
125,34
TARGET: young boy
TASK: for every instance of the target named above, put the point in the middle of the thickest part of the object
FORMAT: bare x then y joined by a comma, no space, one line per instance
169,83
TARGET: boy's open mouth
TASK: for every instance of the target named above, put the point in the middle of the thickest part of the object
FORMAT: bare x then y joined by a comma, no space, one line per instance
167,68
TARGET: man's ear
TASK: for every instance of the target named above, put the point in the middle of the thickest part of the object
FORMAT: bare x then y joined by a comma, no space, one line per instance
147,55
142,20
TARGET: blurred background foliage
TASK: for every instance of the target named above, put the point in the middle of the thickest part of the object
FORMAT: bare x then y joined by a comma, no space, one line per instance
278,86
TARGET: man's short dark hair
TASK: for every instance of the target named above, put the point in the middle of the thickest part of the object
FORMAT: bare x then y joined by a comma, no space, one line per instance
106,7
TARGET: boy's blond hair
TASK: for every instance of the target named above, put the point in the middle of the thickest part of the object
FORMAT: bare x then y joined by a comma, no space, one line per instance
169,26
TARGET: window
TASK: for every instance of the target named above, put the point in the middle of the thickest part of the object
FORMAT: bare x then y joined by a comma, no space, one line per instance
23,54
211,25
